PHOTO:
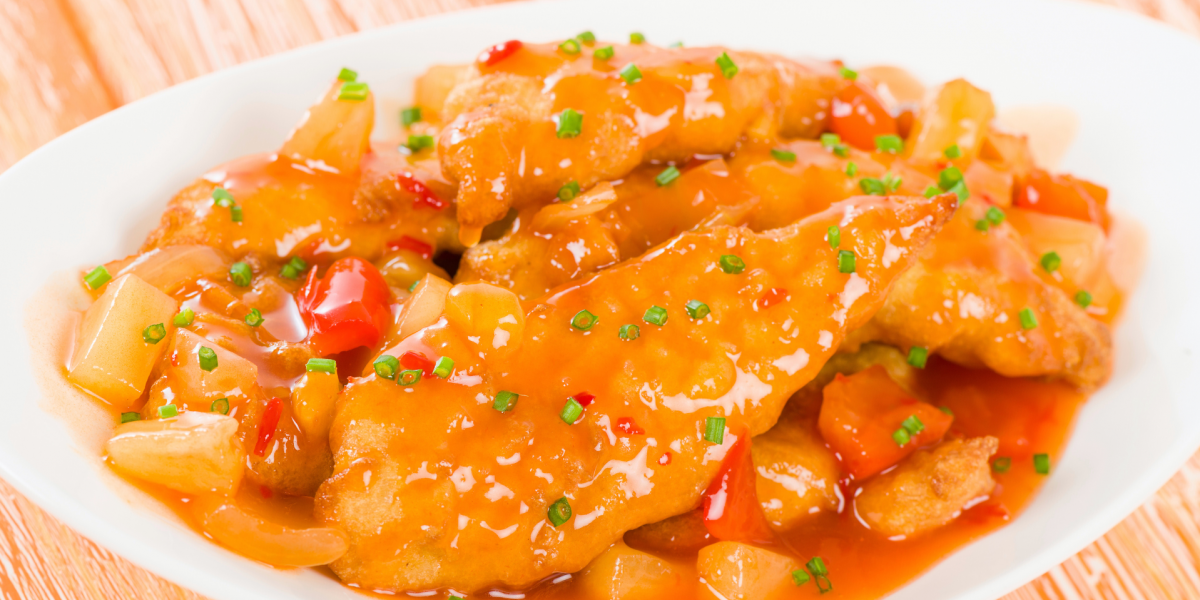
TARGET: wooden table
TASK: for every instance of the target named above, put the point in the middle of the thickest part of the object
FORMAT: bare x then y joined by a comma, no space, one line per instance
63,62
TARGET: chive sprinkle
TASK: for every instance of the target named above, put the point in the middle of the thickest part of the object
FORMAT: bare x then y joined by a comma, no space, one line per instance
1041,464
347,75
655,315
604,53
220,405
846,261
412,288
891,182
254,318
221,197
321,365
960,190
917,356
913,425
408,377
834,235
1083,298
584,320
571,411
952,152
386,366
208,358
714,429
570,123
167,411
569,191
587,37
848,73
559,512
444,367
416,143
629,332
786,156
932,191
184,318
129,417
293,268
410,115
696,309
995,216
949,177
889,143
731,264
569,47
851,169
355,91
155,333
236,215
1051,261
240,274
820,573
1002,464
631,73
728,69
637,38
800,577
97,277
833,143
667,176
981,225
872,186
505,400
1028,319
901,437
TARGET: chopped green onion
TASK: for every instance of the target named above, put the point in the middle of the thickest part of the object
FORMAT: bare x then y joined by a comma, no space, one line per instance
846,261
816,566
167,411
416,143
568,192
851,169
913,425
732,264
408,377
570,123
917,356
667,176
728,69
631,74
655,315
410,115
1002,464
952,152
355,91
386,366
321,365
444,367
889,143
208,358
235,214
571,411
949,177
848,73
254,318
129,417
833,143
184,318
154,334
221,197
559,512
587,37
696,309
891,182
800,577
629,332
932,191
901,437
995,216
293,268
347,75
97,277
240,274
714,429
220,405
873,186
1083,298
783,155
412,288
834,235
570,47
1051,261
946,409
584,320
505,401
1041,464
1028,319
981,225
637,38
960,190
604,53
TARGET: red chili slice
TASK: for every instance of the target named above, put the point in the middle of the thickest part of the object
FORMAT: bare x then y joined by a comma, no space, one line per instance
413,244
628,425
772,297
416,360
266,428
424,195
584,398
499,52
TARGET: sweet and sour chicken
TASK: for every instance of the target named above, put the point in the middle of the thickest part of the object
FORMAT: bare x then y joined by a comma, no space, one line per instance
612,321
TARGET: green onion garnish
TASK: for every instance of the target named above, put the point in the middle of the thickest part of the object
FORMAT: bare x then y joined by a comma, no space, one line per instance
851,169
129,417
833,143
637,38
221,197
321,365
981,225
570,123
154,334
668,175
97,277
1083,298
913,425
412,288
240,274
208,358
1002,464
184,318
254,318
236,215
1028,319
416,143
220,405
728,69
946,409
347,75
408,377
568,192
917,356
960,190
932,191
873,186
696,309
834,235
848,73
786,156
994,215
571,411
732,264
1041,464
570,47
800,577
410,115
293,268
1051,261
891,182
714,429
846,261
949,177
167,411
386,366
587,37
952,152
901,437
505,401
629,332
816,566
559,512
444,367
584,320
631,73
889,143
355,91
604,53
655,315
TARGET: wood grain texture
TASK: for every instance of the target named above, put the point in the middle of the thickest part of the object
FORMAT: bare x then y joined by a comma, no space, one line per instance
63,62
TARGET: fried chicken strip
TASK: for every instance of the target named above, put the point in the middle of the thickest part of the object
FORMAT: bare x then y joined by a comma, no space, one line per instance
435,486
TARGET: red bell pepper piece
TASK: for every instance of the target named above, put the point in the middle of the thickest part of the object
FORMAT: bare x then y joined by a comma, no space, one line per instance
584,399
859,116
730,504
423,195
413,245
1064,196
416,360
860,414
499,52
268,425
348,308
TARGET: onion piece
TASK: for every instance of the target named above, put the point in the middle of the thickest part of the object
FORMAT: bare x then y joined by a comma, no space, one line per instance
261,540
193,453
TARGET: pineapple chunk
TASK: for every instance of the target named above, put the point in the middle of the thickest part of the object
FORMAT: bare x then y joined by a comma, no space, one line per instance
739,571
272,543
958,114
111,359
424,307
168,268
1080,244
189,387
193,453
335,132
314,402
491,314
435,85
622,573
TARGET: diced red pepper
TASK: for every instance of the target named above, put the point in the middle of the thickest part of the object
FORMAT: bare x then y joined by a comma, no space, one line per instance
665,459
416,360
423,195
772,297
1064,196
859,116
348,308
629,426
860,413
499,52
413,245
268,425
730,504
584,398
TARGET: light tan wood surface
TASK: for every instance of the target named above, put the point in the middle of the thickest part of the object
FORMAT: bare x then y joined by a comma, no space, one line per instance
63,62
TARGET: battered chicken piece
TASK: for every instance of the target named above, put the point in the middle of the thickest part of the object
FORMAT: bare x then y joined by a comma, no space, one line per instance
509,145
929,489
448,482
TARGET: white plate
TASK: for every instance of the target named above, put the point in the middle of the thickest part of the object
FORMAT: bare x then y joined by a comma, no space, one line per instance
92,195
